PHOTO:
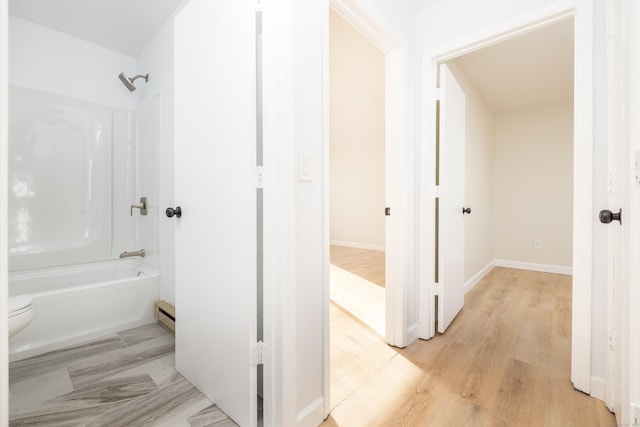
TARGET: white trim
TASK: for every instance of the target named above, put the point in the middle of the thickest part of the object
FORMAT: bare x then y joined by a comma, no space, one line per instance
326,237
509,29
280,293
582,10
412,332
311,413
358,245
632,224
396,195
4,338
478,276
597,388
367,25
543,268
583,136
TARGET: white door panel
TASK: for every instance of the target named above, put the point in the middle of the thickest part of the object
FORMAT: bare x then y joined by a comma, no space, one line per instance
215,249
450,216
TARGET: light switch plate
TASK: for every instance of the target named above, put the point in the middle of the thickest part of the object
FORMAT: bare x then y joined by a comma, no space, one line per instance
305,167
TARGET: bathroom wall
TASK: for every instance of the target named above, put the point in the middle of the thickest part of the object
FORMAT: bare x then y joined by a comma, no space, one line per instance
357,137
48,60
86,75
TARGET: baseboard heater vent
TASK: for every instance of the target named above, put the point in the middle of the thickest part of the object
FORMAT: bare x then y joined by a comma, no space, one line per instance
166,315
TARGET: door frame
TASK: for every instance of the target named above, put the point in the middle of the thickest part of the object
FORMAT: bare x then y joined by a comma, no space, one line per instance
396,183
582,13
397,177
4,138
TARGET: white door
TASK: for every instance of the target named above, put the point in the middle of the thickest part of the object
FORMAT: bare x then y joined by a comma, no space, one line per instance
215,241
451,191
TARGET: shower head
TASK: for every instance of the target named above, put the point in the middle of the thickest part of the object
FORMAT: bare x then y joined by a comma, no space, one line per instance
128,82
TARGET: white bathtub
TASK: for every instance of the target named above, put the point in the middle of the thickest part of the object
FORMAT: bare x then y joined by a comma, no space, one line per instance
80,302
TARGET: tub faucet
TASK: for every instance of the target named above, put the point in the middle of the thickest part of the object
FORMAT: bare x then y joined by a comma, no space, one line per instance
142,206
126,254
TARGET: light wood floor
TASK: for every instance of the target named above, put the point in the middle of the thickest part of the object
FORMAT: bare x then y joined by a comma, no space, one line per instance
505,361
366,263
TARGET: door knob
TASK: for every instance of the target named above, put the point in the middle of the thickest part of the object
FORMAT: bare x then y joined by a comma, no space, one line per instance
466,211
171,212
606,216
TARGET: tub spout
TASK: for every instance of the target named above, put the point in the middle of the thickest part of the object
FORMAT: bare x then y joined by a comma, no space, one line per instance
126,254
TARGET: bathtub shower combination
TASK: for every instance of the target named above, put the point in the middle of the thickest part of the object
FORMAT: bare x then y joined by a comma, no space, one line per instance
74,184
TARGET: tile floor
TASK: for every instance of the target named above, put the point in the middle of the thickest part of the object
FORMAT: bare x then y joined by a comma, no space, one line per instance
126,379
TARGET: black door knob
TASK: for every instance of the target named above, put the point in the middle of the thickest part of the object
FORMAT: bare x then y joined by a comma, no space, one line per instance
606,216
466,211
171,212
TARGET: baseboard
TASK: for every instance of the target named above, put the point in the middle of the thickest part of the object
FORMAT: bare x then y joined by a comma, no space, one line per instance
312,415
543,268
358,245
597,388
478,276
412,333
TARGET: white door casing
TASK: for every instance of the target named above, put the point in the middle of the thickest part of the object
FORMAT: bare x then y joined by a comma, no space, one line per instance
582,11
215,186
451,196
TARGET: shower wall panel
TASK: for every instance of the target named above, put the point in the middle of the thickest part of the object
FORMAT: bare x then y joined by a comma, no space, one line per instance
60,181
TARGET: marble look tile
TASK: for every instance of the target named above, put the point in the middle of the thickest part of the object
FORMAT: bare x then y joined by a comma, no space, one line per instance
104,365
78,406
29,395
161,369
142,333
58,419
53,360
166,406
211,416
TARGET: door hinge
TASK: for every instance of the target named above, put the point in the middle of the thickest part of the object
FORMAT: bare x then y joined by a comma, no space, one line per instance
437,93
387,211
436,192
437,289
259,177
257,356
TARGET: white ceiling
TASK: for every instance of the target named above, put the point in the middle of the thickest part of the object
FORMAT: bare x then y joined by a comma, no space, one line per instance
533,69
125,26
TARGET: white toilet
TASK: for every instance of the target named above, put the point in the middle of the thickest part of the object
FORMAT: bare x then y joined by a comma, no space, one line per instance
21,313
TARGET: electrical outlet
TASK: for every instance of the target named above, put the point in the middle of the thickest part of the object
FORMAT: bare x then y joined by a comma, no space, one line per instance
537,244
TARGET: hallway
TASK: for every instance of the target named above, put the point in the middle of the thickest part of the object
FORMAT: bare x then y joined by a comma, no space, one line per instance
505,361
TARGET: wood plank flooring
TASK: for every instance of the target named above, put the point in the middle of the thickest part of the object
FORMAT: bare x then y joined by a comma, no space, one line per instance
366,263
126,379
505,361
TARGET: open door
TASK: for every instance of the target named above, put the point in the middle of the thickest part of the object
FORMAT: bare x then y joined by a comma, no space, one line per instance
215,187
451,195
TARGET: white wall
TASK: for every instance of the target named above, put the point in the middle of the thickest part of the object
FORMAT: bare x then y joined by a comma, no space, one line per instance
534,185
357,135
54,62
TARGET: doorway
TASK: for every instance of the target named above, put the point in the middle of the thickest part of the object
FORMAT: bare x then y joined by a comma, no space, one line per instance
518,155
583,189
357,174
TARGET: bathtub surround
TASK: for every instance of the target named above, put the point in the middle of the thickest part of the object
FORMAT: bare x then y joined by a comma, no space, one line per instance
122,379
